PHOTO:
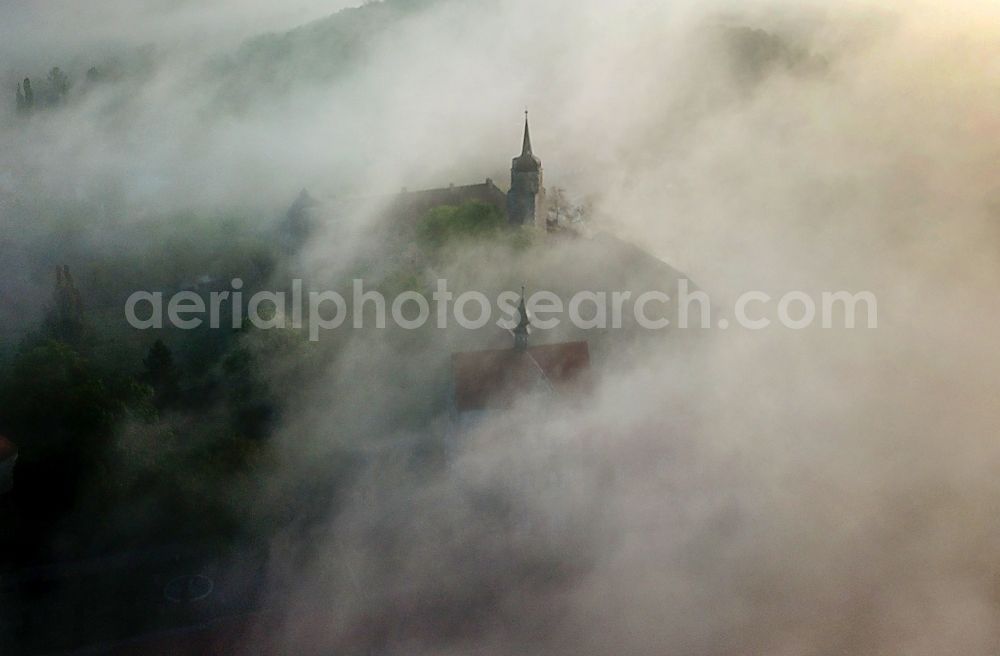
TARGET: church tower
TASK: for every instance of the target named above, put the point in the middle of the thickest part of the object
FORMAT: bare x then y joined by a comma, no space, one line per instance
526,198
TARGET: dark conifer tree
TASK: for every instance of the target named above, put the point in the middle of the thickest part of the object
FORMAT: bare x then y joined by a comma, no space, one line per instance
29,95
59,84
161,374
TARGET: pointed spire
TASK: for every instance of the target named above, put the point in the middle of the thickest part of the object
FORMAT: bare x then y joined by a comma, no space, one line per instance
526,162
526,146
523,327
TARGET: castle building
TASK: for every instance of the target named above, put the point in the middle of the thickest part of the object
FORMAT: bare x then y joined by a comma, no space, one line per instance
414,204
494,379
524,204
526,198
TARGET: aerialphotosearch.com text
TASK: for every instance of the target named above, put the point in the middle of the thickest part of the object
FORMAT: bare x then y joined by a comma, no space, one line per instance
318,311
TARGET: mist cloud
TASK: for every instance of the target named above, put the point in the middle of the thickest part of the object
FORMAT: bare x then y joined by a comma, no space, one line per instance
773,493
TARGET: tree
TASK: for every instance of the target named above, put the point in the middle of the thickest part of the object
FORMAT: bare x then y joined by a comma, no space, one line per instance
252,407
59,83
161,374
29,95
559,208
449,223
65,318
561,211
56,403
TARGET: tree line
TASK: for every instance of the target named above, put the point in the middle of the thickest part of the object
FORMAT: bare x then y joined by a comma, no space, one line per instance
54,90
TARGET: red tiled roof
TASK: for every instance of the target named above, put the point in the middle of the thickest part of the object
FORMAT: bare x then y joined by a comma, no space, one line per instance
7,448
486,379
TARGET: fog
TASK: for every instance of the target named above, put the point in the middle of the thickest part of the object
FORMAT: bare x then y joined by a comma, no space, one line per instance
57,28
775,492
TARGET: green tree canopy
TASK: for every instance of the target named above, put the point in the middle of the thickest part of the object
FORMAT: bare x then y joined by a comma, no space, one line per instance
449,223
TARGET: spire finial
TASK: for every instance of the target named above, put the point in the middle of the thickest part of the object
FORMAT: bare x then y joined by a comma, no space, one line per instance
526,145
